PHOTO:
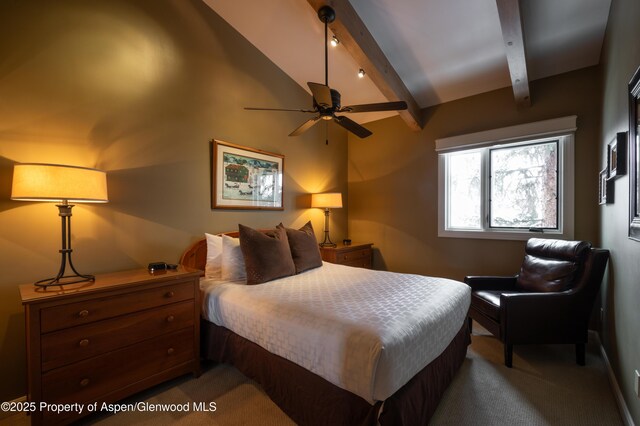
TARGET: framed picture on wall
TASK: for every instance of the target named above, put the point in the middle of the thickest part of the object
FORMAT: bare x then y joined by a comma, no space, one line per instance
245,178
617,155
605,189
634,157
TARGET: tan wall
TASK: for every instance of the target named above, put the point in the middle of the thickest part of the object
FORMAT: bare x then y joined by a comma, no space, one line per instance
621,292
137,88
393,185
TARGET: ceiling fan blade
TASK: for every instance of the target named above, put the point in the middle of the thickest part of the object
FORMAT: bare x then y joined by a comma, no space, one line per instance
383,106
277,109
305,126
321,93
352,126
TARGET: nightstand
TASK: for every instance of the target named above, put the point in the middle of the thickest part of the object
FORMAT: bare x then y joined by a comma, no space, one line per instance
358,255
103,341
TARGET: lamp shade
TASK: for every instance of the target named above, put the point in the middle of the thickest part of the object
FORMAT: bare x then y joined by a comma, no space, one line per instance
54,182
328,200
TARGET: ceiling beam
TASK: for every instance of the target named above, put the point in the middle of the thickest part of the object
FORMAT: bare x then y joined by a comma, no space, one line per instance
512,33
356,38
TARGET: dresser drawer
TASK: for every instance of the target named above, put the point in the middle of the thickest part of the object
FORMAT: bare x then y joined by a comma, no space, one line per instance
74,344
358,255
346,257
359,263
88,380
73,314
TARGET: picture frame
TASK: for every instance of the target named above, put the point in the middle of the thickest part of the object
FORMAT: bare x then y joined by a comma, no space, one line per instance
634,157
244,178
605,188
617,156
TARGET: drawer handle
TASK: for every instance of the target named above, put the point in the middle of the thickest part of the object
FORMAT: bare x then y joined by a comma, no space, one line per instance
84,382
84,342
169,294
170,318
170,351
83,313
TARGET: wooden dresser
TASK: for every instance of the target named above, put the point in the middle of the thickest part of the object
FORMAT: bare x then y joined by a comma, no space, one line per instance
358,255
103,341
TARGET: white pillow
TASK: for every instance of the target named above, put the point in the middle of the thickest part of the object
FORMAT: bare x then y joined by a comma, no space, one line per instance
232,260
213,266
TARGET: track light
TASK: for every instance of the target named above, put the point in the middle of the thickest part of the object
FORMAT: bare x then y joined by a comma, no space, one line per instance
334,41
361,73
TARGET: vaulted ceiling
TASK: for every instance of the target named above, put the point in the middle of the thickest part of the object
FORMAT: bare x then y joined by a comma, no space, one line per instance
424,52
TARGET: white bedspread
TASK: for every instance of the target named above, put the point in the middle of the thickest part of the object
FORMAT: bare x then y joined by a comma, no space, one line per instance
365,331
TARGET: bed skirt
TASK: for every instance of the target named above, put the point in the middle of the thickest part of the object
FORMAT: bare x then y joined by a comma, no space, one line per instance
308,399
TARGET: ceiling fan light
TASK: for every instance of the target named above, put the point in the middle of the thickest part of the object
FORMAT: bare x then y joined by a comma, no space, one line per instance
327,117
334,41
361,73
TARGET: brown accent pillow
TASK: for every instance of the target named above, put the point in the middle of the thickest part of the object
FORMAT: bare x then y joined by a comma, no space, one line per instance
266,256
304,247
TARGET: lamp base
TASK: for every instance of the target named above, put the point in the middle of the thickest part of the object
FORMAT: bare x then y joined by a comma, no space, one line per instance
327,241
328,244
64,211
65,280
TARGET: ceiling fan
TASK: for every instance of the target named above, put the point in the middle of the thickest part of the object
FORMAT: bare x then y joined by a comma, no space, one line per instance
326,101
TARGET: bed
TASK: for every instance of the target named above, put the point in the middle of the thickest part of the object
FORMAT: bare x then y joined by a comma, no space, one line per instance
339,345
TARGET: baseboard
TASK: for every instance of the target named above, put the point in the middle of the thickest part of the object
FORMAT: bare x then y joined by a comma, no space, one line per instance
622,405
7,414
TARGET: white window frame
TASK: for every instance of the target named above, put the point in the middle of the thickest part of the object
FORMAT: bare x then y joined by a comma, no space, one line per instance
562,129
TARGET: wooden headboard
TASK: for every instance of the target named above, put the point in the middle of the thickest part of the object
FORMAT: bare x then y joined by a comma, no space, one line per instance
196,255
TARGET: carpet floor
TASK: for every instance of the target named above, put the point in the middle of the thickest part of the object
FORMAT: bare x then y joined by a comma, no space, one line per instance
544,387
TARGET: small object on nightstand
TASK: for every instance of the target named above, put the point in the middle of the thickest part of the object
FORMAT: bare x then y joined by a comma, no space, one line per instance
346,242
157,266
161,266
358,255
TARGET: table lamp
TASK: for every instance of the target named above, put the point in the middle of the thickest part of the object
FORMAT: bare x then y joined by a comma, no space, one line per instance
61,184
326,201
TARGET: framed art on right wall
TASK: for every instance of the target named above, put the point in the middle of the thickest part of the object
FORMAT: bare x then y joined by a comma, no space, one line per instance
634,157
617,156
605,188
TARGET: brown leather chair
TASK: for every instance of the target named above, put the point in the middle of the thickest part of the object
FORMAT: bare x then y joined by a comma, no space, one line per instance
549,301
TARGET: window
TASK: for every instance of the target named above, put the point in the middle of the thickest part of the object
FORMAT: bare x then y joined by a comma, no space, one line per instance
464,190
524,186
511,187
